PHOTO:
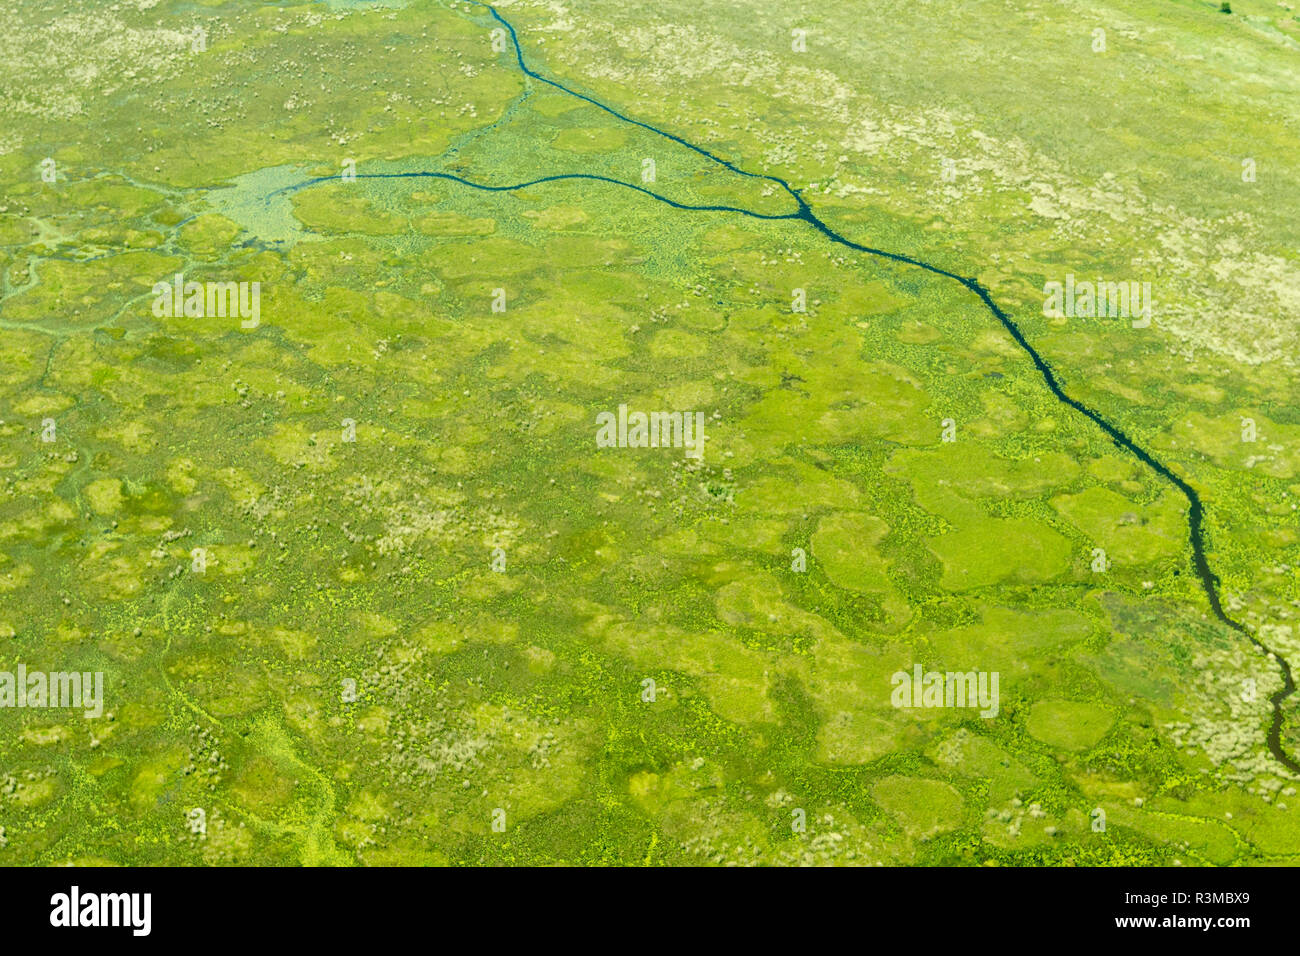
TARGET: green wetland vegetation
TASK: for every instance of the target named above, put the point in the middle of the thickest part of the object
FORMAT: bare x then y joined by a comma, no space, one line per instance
365,591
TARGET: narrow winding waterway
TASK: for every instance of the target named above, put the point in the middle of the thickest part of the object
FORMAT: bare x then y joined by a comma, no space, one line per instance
804,213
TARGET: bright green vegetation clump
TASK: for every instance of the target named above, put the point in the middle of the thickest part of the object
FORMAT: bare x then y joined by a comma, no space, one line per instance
365,590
